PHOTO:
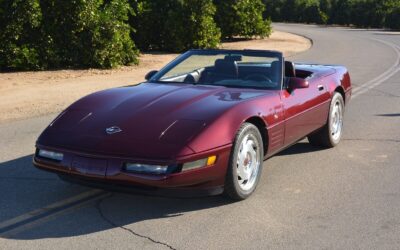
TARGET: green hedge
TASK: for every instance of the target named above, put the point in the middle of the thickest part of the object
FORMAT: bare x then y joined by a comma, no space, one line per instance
175,25
361,13
59,34
87,33
50,34
149,22
393,19
194,26
43,34
242,18
20,34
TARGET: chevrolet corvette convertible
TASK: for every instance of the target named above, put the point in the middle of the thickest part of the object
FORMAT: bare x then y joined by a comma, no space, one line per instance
203,124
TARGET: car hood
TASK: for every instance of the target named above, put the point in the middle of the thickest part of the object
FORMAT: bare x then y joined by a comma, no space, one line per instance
151,117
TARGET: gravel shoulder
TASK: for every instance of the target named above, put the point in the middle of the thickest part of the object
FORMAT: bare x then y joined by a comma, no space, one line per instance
31,94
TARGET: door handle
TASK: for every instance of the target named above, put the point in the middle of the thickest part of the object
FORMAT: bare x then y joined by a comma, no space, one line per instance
321,87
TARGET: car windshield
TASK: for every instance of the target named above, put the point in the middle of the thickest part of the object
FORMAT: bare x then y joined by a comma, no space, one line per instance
241,69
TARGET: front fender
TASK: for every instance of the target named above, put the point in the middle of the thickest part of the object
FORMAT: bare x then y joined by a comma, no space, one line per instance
222,131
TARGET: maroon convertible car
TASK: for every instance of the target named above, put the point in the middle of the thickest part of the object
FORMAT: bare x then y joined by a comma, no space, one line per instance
203,124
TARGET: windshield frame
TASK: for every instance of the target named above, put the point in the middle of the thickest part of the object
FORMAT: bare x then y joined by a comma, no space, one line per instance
212,52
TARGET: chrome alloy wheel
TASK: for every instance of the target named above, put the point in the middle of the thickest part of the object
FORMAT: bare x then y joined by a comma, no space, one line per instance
248,163
336,120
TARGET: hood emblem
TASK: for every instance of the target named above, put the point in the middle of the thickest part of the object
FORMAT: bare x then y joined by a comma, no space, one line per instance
113,130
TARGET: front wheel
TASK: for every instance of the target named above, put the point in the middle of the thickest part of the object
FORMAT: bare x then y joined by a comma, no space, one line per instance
245,163
330,135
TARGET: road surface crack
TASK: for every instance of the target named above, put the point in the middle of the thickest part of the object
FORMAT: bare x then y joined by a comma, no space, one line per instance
109,221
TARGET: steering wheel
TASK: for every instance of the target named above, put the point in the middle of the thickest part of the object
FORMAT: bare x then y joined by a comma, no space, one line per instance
258,78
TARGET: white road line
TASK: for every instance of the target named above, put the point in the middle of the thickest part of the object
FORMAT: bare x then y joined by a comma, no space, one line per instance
384,76
50,207
51,216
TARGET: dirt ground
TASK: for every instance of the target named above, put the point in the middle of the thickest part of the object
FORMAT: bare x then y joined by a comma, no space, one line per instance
31,94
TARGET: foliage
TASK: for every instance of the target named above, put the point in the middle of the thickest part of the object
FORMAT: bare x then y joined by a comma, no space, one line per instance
19,34
41,34
309,11
87,33
192,26
149,22
361,13
305,11
242,18
38,34
175,25
393,18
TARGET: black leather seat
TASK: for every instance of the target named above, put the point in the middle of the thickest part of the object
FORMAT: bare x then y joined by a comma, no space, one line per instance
226,67
223,70
275,69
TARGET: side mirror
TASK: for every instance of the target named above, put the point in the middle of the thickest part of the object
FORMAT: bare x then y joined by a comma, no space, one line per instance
297,83
150,74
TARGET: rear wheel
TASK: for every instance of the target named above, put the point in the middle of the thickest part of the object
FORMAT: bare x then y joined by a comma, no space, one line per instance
245,163
330,135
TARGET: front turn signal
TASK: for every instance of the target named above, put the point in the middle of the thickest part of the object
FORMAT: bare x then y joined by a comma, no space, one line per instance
205,162
211,160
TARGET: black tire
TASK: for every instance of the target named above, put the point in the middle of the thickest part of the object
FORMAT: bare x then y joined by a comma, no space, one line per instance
327,136
233,188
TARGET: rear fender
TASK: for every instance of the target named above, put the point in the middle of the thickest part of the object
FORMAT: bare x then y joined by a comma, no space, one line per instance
340,82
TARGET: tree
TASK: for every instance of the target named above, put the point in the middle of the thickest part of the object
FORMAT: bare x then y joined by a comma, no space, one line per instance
393,18
242,18
361,13
112,44
273,10
309,12
341,12
150,22
87,33
289,10
19,34
175,25
193,26
326,6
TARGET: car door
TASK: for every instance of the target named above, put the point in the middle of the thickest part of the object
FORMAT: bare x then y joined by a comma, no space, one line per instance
305,110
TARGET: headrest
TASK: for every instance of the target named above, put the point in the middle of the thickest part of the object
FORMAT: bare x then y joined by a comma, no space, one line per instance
289,69
275,70
275,66
226,67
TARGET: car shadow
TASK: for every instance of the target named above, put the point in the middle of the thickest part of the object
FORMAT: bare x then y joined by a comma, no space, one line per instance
302,147
390,115
25,185
29,189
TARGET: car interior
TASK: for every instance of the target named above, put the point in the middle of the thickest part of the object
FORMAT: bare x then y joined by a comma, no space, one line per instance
230,71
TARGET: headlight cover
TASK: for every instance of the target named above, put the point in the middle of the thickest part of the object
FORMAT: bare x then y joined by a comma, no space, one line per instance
168,169
56,156
145,168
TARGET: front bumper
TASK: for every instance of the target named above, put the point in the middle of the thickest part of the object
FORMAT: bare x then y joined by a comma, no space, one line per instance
107,172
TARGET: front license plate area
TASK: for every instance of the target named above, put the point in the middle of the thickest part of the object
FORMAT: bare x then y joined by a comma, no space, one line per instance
89,166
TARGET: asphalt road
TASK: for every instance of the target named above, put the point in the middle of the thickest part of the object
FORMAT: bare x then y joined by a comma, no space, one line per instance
342,198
